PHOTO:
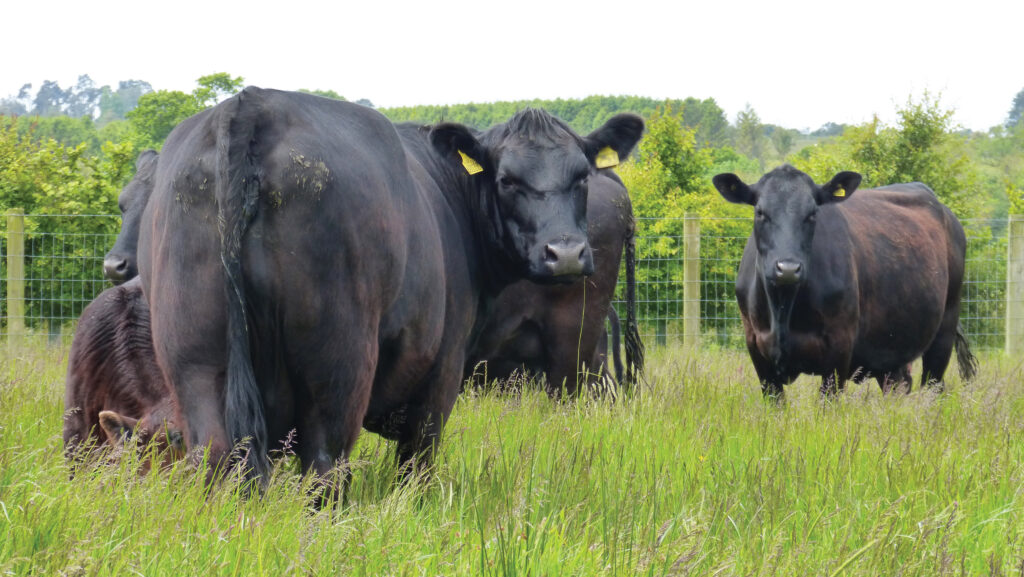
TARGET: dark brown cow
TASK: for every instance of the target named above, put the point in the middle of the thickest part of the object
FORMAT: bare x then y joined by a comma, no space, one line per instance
848,283
114,388
559,331
337,265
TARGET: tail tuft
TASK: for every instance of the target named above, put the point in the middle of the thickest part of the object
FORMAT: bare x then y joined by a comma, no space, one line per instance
966,360
634,346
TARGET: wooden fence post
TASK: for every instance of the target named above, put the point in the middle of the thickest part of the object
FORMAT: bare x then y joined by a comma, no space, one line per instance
15,274
691,279
1015,286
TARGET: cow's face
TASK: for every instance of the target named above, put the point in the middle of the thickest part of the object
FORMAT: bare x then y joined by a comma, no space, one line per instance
153,429
531,174
119,265
786,203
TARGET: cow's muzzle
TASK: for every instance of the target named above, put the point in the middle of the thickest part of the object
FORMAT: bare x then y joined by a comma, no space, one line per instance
788,272
568,259
116,269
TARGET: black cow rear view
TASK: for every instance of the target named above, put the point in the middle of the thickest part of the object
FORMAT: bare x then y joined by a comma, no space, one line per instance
337,264
845,285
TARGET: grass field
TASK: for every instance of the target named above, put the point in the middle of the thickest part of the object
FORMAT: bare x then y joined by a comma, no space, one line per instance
696,475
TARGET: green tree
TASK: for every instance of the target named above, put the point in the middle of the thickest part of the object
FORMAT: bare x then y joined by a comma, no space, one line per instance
669,177
1013,119
115,104
49,100
750,138
783,139
922,147
157,114
708,121
50,181
325,93
83,98
215,87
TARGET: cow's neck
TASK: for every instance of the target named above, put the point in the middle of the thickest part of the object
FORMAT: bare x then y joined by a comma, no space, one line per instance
779,302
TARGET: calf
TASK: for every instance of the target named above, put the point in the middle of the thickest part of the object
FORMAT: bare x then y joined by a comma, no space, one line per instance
114,388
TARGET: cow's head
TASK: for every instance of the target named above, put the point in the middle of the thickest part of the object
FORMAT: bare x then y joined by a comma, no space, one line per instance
120,263
786,203
155,428
530,177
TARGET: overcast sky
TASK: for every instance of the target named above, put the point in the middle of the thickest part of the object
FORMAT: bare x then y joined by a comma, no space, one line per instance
798,63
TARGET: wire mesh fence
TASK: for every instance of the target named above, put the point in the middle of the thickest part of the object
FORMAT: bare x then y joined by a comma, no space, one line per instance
59,270
62,271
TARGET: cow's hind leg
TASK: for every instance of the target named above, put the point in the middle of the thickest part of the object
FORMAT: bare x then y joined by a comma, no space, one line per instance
334,378
936,357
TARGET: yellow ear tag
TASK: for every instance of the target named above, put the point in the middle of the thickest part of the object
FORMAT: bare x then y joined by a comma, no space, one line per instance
607,158
839,192
471,166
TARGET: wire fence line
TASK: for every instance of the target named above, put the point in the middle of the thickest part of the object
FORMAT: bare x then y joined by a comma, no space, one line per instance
685,291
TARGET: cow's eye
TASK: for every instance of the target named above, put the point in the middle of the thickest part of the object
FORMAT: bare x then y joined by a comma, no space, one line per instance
508,181
759,214
811,218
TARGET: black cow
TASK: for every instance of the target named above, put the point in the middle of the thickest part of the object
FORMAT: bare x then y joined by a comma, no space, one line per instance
120,264
848,285
559,331
336,264
114,389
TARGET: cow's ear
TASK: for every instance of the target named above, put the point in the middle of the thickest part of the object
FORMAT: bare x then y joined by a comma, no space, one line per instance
118,427
733,189
839,188
460,146
146,159
612,143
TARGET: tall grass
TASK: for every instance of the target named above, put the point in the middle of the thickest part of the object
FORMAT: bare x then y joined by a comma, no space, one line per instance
695,475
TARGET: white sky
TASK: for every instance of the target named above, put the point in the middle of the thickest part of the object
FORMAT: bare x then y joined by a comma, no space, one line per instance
798,63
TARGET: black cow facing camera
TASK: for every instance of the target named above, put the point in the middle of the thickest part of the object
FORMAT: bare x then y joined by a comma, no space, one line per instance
847,283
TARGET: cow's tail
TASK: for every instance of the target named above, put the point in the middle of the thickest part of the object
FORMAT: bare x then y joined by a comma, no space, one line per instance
613,320
634,346
965,360
239,175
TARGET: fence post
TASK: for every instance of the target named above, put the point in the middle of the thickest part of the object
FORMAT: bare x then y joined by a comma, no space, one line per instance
15,274
1015,286
691,279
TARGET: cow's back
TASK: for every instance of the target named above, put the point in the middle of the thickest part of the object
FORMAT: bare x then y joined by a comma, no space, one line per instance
909,265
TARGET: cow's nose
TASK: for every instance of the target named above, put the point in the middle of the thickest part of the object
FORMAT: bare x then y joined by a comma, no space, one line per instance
566,258
115,269
788,272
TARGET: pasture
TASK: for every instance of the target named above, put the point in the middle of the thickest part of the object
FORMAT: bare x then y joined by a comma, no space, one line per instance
693,475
